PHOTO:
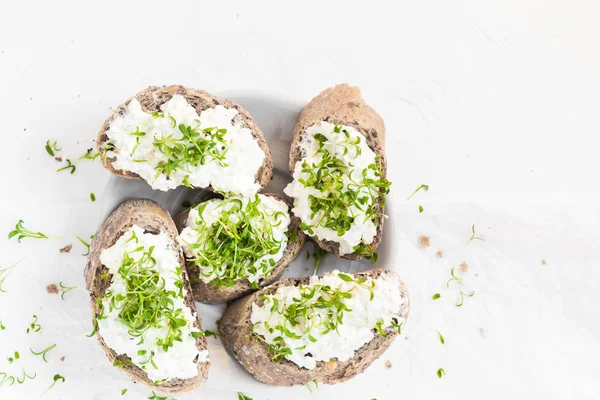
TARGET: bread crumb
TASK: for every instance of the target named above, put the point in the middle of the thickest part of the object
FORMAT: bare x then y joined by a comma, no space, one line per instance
543,262
52,288
424,241
66,249
62,358
388,364
405,337
476,275
59,159
439,254
464,267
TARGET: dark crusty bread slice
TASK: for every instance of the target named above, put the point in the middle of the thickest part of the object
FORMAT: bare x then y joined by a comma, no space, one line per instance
343,105
153,97
211,294
236,329
153,218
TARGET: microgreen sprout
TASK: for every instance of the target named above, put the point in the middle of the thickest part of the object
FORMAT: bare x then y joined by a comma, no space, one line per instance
206,333
454,278
86,244
52,148
92,197
397,325
441,372
420,209
240,244
318,255
123,392
4,272
43,352
441,337
314,382
16,356
424,187
2,327
4,378
34,326
461,298
89,155
21,232
65,289
379,327
56,378
68,166
473,237
156,397
242,396
25,376
436,296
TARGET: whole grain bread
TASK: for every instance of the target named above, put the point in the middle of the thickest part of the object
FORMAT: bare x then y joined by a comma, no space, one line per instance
253,355
343,105
153,97
212,294
153,218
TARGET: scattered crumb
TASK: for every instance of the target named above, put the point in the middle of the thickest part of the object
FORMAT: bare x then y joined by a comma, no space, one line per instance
388,364
476,275
77,142
543,262
52,288
424,241
531,170
405,337
59,159
62,358
439,254
66,249
464,267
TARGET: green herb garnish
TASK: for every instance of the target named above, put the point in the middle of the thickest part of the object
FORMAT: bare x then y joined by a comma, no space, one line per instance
2,327
123,392
86,244
52,148
473,237
65,289
318,255
15,357
156,397
420,209
57,378
89,156
454,278
424,187
21,232
314,382
441,372
34,326
397,325
461,298
206,333
43,352
68,166
242,396
441,337
92,197
230,248
379,327
436,296
25,376
4,272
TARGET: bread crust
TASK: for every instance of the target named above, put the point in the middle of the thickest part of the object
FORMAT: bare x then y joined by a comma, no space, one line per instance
343,105
211,294
236,329
153,97
153,218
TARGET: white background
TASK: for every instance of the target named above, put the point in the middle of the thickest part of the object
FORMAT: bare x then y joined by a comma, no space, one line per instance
494,104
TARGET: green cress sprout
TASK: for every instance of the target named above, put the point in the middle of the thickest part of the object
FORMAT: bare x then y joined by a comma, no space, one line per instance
3,275
21,232
424,187
57,378
454,278
86,244
34,326
156,397
65,289
146,304
68,166
242,396
25,376
436,296
89,156
314,382
335,198
473,237
461,298
92,197
123,392
43,352
441,372
312,299
318,256
230,247
52,148
441,337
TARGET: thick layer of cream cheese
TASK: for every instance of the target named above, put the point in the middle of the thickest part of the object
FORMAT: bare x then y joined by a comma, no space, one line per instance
178,362
363,230
244,156
268,205
355,331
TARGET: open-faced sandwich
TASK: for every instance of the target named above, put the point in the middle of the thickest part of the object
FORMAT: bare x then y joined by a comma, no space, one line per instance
144,314
324,329
338,166
238,244
173,136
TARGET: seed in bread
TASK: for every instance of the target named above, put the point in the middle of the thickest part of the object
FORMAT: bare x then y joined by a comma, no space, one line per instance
237,244
173,136
325,329
143,311
338,165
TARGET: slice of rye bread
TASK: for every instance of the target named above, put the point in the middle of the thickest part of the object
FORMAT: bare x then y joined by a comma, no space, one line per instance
343,105
153,218
253,355
212,294
153,97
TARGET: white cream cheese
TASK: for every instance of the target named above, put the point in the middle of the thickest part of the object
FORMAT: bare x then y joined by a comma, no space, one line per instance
357,327
180,361
242,159
362,230
274,212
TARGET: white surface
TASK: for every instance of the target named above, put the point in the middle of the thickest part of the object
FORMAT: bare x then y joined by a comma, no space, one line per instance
493,104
